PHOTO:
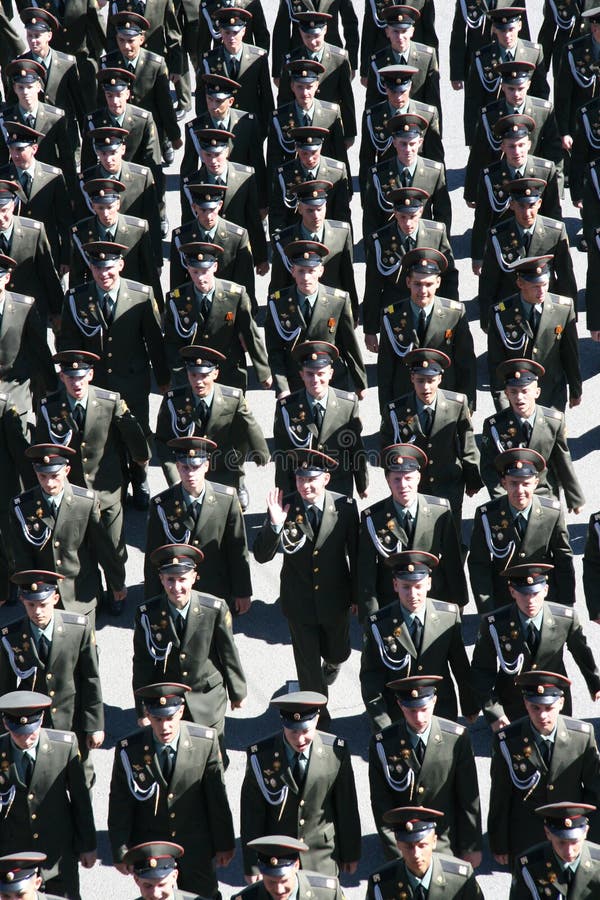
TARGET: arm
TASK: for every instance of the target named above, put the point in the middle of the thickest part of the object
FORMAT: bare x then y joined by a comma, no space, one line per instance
235,548
233,673
451,570
501,800
88,688
253,339
480,567
469,453
489,452
461,670
216,803
346,815
466,799
80,803
484,673
131,432
350,25
373,678
254,819
153,339
121,810
562,559
349,349
108,554
583,656
561,464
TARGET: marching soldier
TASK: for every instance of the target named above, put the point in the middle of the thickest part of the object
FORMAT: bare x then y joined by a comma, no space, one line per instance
278,861
167,781
16,474
311,311
527,634
541,756
425,757
322,418
317,531
203,514
211,311
550,339
257,31
414,633
373,37
560,24
21,874
423,320
576,83
286,30
43,777
300,782
438,421
415,834
524,423
407,520
519,526
154,868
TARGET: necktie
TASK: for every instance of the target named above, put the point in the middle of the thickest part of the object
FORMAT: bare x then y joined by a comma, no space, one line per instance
315,237
179,623
427,421
204,305
535,319
26,183
526,429
219,180
509,56
234,68
27,768
526,240
419,893
420,750
194,511
43,648
318,414
3,244
30,121
520,524
167,762
545,748
306,309
405,177
416,633
314,517
202,414
52,508
130,67
408,525
306,120
78,415
107,308
568,872
298,769
109,236
533,638
421,326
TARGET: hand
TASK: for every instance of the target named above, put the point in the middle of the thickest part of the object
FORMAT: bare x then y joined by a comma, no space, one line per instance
95,740
63,270
371,343
348,143
502,722
576,510
364,81
163,388
262,268
476,267
596,696
595,335
223,857
473,857
252,879
143,721
237,704
177,143
55,324
175,78
361,394
123,869
142,463
276,83
567,142
472,718
88,859
349,868
242,604
277,512
363,495
352,74
264,212
470,492
120,595
457,85
268,383
471,204
501,858
574,401
578,204
282,394
354,609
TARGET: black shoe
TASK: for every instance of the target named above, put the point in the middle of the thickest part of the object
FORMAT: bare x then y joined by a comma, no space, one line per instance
243,497
329,672
141,496
168,153
164,226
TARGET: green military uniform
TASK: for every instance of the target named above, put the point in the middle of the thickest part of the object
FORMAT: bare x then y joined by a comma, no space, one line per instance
504,246
141,144
495,543
81,33
548,437
331,321
425,84
192,808
255,93
235,264
381,535
502,652
63,545
471,30
309,885
219,533
257,31
522,781
576,82
62,87
205,657
591,566
373,37
23,351
450,877
554,346
447,329
286,35
16,473
163,37
559,25
446,779
323,811
283,201
281,146
55,149
34,273
538,864
229,320
428,175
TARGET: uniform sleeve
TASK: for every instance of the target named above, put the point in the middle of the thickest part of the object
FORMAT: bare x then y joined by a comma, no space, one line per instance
164,433
467,802
47,273
501,800
235,548
216,803
461,670
480,568
489,452
469,453
253,338
154,341
350,25
84,830
484,672
347,344
249,435
366,573
373,678
346,814
266,543
131,432
88,689
233,673
254,821
561,464
562,559
583,656
121,810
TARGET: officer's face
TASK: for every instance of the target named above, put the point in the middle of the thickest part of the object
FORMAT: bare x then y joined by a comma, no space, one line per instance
166,729
301,740
312,216
311,488
398,99
520,491
533,291
509,37
28,94
568,851
404,486
282,887
522,398
422,287
544,718
76,387
27,890
399,38
25,741
52,483
515,94
117,102
412,594
40,611
203,279
207,217
417,855
107,215
202,383
408,222
111,159
215,162
304,92
419,718
178,587
38,41
7,212
316,381
307,278
232,40
218,108
516,151
192,478
107,277
525,213
314,42
150,889
529,604
595,29
426,386
23,157
407,149
310,159
129,45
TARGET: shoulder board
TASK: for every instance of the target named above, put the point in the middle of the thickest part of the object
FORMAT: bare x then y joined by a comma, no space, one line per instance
335,50
73,618
594,850
29,223
138,111
560,611
436,501
209,600
21,298
551,413
531,44
136,737
434,226
559,300
232,287
155,57
60,737
222,489
263,744
232,228
240,167
200,731
423,107
541,162
551,223
49,170
334,223
422,48
548,503
256,51
444,606
230,391
326,104
133,220
323,881
450,304
54,109
331,740
136,168
344,395
452,395
136,286
576,725
534,855
332,163
450,727
333,292
102,394
541,104
454,866
432,164
82,492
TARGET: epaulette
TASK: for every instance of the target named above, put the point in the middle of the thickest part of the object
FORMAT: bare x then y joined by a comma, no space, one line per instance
423,107
62,55
560,610
155,57
551,413
257,51
59,737
422,48
82,492
544,163
335,163
322,881
46,167
332,291
232,287
222,488
551,223
431,164
135,737
537,101
136,168
335,50
334,223
73,618
444,606
138,111
331,740
240,167
532,44
454,866
21,298
264,743
453,395
548,503
30,223
438,501
344,395
199,731
232,228
576,725
209,601
451,304
326,104
228,391
559,300
55,109
133,220
437,226
103,394
136,286
450,727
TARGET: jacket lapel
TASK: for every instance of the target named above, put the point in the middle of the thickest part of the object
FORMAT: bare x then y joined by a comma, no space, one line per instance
430,631
329,423
328,520
43,758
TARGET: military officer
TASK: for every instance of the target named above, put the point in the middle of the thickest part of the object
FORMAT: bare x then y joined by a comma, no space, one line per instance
240,203
524,423
53,527
576,83
373,35
565,859
311,311
523,234
21,874
386,248
257,31
163,36
423,320
414,633
559,25
322,418
425,757
167,781
55,651
300,782
426,873
584,187
308,165
286,29
317,531
184,634
211,410
406,169
44,196
204,514
527,634
154,868
541,756
553,342
338,265
109,224
278,860
407,520
211,311
519,527
483,80
43,784
437,421
16,474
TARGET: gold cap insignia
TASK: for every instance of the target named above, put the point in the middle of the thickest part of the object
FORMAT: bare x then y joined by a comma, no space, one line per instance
163,701
568,823
519,465
410,567
46,459
23,720
529,579
273,861
34,586
409,826
540,689
414,693
152,862
297,717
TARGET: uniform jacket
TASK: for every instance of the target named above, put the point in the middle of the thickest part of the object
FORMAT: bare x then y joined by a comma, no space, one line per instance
373,37
283,201
471,30
162,37
310,884
450,878
23,350
62,87
286,35
574,90
257,31
236,264
538,863
55,149
281,147
255,94
34,274
591,567
141,144
16,469
425,84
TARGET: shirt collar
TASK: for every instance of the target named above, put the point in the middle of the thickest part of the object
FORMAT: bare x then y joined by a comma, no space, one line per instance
417,309
421,406
419,614
160,746
523,512
414,737
413,508
322,401
536,620
178,612
189,499
56,500
48,631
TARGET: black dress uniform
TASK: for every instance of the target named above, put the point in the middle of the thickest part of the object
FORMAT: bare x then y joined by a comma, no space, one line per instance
560,24
163,36
426,81
257,31
373,37
283,199
318,806
285,31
